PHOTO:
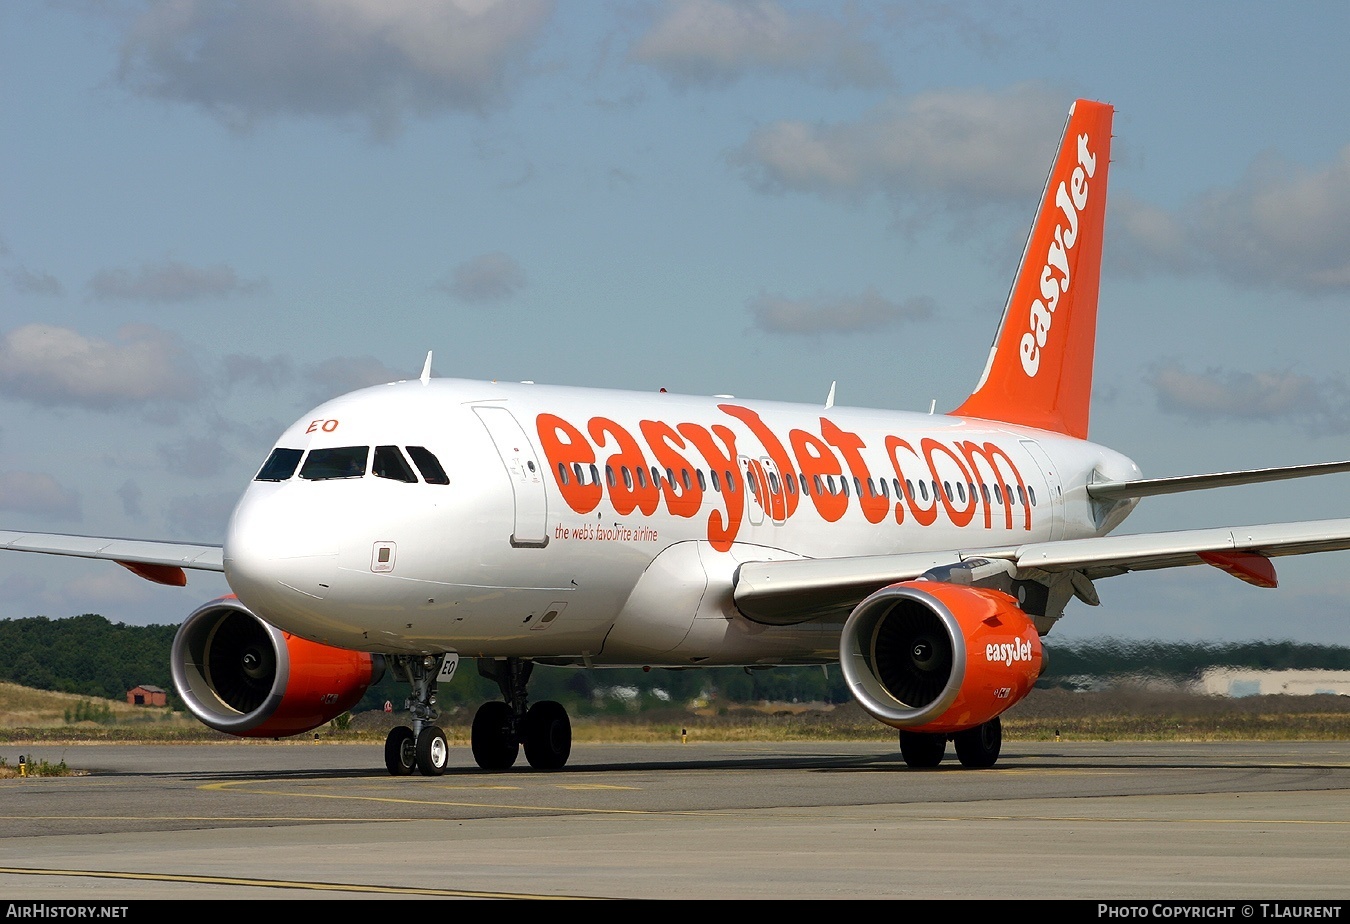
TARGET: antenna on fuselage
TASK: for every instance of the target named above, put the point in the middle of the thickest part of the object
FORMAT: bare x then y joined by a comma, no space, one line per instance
829,399
426,369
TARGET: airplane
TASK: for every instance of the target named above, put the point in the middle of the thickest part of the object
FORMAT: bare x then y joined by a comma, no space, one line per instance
403,527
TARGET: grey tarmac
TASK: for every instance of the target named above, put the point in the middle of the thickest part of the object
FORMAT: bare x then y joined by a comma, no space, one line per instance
1053,820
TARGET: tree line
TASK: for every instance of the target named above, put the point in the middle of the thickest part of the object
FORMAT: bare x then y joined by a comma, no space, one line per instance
90,656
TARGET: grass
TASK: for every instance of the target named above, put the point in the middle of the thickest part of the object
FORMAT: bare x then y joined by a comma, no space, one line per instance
37,717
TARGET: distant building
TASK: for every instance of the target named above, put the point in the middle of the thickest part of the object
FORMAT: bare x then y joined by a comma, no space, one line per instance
1231,681
147,696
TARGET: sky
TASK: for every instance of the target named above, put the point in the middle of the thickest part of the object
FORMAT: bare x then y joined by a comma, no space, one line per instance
215,216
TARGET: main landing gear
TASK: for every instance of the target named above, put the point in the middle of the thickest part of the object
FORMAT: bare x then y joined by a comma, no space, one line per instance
499,727
423,746
976,748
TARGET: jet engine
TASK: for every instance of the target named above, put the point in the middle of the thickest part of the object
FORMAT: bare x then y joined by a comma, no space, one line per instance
927,656
239,675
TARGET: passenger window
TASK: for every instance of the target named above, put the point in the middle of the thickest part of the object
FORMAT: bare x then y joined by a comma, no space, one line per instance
341,462
923,489
562,473
627,477
389,463
430,466
1032,492
609,475
716,481
280,465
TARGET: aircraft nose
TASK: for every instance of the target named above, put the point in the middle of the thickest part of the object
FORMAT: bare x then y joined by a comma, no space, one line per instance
281,550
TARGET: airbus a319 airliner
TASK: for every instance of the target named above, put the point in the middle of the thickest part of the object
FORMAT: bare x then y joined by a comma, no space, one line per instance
403,527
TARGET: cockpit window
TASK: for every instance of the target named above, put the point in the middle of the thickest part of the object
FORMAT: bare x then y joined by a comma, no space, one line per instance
428,465
341,462
280,465
389,463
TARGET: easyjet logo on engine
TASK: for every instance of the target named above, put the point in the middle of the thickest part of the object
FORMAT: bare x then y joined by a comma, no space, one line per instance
1008,652
751,471
1071,197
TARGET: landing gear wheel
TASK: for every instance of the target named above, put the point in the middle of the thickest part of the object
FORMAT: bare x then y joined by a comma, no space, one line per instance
978,747
548,736
493,739
922,750
400,751
433,753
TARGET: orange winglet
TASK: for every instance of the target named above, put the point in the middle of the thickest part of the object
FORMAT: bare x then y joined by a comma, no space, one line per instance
159,574
1245,566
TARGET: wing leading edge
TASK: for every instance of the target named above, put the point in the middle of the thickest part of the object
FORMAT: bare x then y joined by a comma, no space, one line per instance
784,592
161,562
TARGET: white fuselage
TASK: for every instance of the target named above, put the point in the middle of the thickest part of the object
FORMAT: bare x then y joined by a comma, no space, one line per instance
599,527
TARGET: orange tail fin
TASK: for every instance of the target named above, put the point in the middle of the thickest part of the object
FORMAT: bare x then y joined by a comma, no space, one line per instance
1039,372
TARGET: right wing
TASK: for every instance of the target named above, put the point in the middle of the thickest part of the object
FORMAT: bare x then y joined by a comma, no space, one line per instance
161,562
798,590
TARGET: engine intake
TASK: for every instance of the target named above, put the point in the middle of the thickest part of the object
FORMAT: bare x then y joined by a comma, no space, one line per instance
935,657
240,675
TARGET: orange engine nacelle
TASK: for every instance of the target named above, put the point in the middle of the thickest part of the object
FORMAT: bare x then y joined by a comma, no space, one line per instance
932,657
239,675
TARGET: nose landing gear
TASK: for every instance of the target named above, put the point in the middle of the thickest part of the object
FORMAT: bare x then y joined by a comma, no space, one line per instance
422,747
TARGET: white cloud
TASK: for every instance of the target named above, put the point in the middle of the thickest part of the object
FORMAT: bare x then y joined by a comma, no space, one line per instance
196,457
381,60
28,282
342,374
1319,406
271,373
38,492
712,42
201,517
849,314
491,277
1281,224
51,365
171,281
952,149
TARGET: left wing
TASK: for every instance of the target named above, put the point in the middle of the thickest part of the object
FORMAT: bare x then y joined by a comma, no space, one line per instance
161,562
1150,487
785,592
